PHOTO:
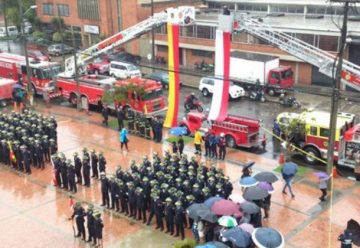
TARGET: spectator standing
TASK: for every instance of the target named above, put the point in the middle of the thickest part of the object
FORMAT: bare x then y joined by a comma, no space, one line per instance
323,185
105,115
180,144
124,138
174,148
222,146
197,141
120,115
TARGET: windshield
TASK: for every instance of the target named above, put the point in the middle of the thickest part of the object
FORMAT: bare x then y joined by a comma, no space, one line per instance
152,95
50,73
37,53
286,74
132,68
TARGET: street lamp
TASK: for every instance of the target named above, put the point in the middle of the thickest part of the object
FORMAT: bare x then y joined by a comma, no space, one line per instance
24,40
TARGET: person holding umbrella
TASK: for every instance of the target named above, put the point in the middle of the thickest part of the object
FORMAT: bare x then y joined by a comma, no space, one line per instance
323,178
180,144
288,172
124,139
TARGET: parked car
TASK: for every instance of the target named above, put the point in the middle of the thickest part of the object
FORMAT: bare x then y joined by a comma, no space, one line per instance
123,70
160,77
206,86
12,31
99,66
125,57
60,49
38,55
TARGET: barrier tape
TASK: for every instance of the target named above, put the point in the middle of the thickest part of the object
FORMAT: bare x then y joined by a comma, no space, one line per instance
293,147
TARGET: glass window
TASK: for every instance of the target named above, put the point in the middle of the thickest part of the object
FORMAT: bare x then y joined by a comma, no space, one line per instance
63,9
204,32
162,48
187,31
324,132
275,75
313,131
48,9
152,95
202,53
286,74
88,9
308,38
328,43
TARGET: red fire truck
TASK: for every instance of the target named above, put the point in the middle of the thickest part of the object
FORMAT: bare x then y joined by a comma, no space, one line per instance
92,88
6,88
240,131
13,66
350,147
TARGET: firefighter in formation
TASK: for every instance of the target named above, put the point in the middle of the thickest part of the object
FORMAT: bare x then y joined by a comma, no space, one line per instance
163,189
78,170
27,140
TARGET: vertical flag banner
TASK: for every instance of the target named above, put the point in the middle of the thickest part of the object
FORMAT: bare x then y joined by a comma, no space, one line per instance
173,58
220,99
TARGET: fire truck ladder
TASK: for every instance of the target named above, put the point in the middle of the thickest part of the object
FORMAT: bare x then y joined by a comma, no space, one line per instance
300,49
231,126
113,41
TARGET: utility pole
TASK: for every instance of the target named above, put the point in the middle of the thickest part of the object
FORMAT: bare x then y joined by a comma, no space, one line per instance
152,39
336,87
76,76
6,25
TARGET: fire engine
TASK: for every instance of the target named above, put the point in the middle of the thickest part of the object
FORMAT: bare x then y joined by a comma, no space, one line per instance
240,131
314,140
350,147
13,66
92,88
6,88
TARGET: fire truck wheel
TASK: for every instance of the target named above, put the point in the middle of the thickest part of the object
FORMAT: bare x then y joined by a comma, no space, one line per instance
271,92
230,141
314,153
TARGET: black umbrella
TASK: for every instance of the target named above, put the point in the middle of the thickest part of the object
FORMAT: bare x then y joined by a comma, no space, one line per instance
213,244
255,193
248,165
249,208
194,208
354,228
266,176
238,237
207,215
267,238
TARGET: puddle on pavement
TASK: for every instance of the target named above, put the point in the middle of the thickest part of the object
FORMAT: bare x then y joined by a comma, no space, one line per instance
146,238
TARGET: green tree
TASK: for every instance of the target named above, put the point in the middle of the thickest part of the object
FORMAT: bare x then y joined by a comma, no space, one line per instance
39,35
13,11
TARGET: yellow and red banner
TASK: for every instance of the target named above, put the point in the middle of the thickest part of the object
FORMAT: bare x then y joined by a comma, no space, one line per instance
174,82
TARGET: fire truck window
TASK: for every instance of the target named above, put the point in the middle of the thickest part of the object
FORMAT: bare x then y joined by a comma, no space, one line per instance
324,132
275,75
313,131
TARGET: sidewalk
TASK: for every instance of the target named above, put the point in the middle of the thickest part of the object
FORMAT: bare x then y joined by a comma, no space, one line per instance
36,211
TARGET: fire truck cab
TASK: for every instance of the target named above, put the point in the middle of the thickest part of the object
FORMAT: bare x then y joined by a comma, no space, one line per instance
240,131
315,139
350,147
13,66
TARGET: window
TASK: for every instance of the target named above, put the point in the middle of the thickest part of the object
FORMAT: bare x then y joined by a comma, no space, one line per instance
275,75
324,132
308,38
204,32
209,81
161,48
187,31
88,9
202,53
328,43
63,9
313,131
48,9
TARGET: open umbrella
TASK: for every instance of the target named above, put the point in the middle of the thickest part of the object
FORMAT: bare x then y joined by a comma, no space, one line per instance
265,237
248,182
238,237
321,174
194,209
249,165
177,131
227,221
213,244
247,227
225,207
266,186
237,198
210,201
266,176
207,215
255,193
289,169
249,208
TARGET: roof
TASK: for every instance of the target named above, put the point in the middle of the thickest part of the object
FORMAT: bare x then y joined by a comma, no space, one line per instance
322,119
289,2
252,56
147,83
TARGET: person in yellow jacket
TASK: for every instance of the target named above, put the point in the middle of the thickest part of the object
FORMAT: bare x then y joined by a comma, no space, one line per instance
197,142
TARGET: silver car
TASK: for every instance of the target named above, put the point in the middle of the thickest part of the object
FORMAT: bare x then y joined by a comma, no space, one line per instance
60,49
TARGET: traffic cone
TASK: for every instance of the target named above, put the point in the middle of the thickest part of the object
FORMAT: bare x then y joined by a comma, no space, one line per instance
334,172
281,158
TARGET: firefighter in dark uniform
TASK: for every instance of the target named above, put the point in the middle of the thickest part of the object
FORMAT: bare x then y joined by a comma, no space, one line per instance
169,216
79,214
94,164
207,143
131,199
46,148
222,146
39,154
57,162
140,204
52,147
86,171
122,196
85,153
78,165
179,220
25,154
90,223
105,190
63,172
98,227
153,195
71,176
113,187
102,162
197,194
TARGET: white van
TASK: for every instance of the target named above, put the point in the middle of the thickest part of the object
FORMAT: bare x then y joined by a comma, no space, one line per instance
12,31
123,70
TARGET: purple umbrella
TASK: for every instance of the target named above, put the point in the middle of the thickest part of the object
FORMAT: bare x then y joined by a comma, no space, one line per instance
321,174
247,227
225,207
267,186
210,201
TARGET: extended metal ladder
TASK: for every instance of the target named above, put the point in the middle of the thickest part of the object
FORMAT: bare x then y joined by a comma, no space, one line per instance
231,126
300,49
113,41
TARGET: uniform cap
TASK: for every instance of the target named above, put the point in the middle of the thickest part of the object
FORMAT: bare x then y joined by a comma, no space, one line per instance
168,199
